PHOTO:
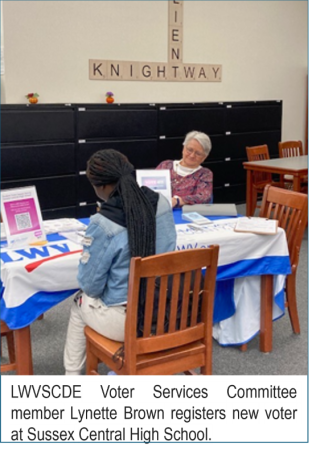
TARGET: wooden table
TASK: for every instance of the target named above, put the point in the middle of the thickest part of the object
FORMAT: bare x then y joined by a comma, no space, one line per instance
296,166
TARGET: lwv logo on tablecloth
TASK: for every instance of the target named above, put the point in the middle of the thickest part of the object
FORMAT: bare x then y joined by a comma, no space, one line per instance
173,70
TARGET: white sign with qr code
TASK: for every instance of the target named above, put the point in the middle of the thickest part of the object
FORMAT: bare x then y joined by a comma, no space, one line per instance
22,218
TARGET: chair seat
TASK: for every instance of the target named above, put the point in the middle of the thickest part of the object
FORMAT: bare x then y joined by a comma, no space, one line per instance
261,185
291,178
290,149
108,346
146,362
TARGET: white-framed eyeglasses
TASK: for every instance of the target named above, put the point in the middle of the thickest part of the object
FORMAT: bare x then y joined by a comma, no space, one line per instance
198,154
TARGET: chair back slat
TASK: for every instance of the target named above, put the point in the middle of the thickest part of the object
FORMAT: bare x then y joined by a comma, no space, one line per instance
287,213
185,300
174,303
162,305
197,293
149,302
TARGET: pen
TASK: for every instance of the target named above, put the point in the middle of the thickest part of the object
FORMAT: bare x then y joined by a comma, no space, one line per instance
39,243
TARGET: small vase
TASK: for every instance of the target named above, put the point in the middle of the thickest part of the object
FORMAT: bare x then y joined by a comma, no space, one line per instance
110,100
33,100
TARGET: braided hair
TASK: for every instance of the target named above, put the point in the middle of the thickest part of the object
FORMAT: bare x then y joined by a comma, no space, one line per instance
111,167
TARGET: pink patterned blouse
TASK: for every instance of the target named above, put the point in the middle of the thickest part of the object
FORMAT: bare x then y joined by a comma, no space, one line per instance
195,188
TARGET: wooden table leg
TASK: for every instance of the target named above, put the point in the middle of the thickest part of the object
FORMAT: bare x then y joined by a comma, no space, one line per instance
249,193
266,323
23,351
296,183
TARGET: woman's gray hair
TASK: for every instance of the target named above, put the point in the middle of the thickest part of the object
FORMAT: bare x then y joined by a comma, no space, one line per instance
202,138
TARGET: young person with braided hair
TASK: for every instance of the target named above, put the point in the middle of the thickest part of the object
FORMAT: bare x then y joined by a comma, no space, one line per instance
132,221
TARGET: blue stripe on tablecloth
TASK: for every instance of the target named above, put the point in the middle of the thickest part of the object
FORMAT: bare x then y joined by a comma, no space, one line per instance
268,265
23,315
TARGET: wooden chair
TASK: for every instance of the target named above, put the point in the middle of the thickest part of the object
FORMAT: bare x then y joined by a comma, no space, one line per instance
175,338
288,149
291,210
7,333
260,179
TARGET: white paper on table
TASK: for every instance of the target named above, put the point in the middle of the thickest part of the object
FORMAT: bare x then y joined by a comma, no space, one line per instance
74,236
63,225
256,225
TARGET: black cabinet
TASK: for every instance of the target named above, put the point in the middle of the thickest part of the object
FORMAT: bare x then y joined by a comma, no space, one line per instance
116,121
38,148
37,160
177,120
49,145
36,123
257,116
142,153
132,129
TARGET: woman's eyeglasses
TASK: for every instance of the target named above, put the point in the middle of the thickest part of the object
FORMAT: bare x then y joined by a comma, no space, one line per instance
189,151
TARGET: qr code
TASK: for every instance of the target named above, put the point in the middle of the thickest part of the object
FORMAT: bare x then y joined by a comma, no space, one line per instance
23,221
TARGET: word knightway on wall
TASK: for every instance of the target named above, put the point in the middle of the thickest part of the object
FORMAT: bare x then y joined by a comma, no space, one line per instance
173,70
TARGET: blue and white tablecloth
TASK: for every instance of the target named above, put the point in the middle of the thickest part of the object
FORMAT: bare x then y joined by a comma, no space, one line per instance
37,278
34,279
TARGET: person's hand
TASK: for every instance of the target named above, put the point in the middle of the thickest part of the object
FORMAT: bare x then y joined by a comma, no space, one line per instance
177,201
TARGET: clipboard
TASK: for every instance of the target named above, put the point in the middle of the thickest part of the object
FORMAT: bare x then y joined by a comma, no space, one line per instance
256,225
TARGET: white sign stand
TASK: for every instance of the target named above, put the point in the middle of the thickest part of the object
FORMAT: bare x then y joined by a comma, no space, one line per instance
157,180
21,217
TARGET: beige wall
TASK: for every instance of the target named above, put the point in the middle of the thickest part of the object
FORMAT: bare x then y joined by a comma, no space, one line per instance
2,60
262,46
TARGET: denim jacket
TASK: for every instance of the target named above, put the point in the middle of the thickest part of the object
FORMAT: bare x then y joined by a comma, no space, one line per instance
104,265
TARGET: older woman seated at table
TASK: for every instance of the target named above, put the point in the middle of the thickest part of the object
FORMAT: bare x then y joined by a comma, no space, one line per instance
190,182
